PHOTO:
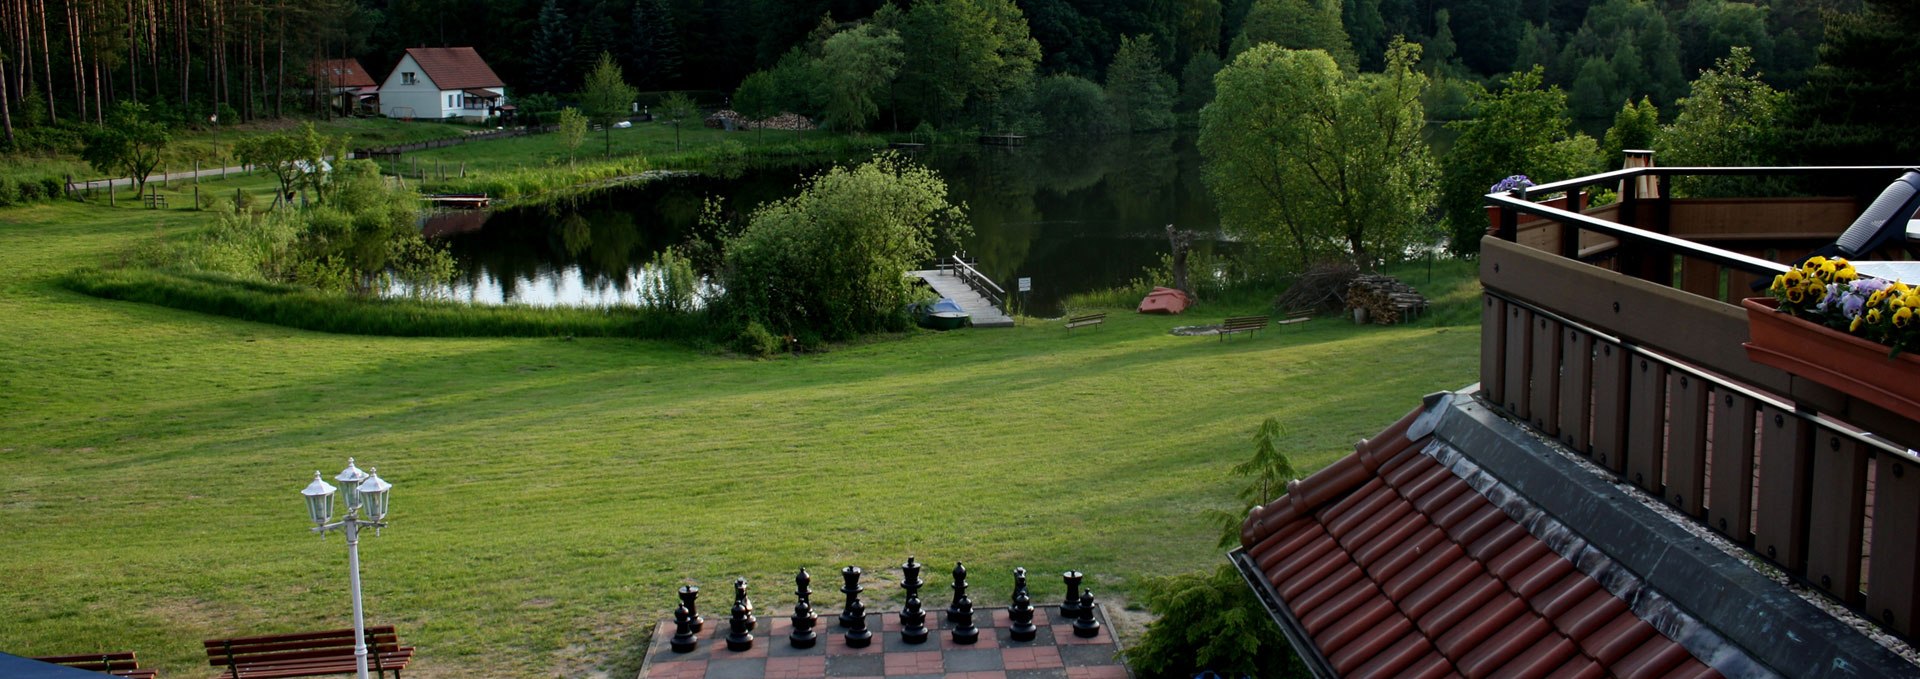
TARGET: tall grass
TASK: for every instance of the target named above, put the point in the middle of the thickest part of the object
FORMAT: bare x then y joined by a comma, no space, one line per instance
308,309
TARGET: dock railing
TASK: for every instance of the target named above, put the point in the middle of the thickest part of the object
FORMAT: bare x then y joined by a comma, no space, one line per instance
1616,330
976,280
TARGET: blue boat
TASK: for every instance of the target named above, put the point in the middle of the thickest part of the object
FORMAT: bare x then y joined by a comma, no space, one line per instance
946,314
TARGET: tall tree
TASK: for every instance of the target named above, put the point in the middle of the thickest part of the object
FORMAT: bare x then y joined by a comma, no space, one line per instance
860,65
1634,127
130,145
965,53
1139,89
1298,24
1308,162
606,97
1520,128
1861,104
1730,117
552,50
653,47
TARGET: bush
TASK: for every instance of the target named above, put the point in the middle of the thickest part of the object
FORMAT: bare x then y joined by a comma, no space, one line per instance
52,187
1211,622
1071,105
26,192
834,258
9,192
754,340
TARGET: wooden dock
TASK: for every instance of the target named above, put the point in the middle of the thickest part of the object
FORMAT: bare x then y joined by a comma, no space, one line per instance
950,285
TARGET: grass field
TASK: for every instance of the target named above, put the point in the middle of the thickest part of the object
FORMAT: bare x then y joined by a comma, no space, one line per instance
549,494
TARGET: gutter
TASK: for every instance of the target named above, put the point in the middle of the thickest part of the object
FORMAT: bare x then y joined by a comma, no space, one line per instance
1296,633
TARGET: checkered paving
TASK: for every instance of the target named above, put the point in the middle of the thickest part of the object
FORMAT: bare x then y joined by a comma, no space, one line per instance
1055,653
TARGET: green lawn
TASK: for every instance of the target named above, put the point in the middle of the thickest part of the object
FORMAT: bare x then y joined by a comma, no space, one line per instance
550,494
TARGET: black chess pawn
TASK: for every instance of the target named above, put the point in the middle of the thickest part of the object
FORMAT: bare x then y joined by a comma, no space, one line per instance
1070,609
913,621
858,636
1086,627
959,593
683,640
852,590
960,614
1020,615
688,595
741,624
803,616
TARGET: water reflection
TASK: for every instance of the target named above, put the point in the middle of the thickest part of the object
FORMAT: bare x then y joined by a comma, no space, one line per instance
1074,215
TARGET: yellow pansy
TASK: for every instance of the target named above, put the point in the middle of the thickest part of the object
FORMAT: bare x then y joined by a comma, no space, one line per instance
1902,317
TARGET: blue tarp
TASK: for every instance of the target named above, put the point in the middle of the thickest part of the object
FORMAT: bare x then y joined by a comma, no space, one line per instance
947,305
16,667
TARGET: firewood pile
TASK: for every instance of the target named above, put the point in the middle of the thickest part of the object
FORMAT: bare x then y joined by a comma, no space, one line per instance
1321,288
1386,300
785,121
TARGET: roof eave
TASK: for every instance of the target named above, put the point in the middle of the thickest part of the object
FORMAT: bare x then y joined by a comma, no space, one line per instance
1290,626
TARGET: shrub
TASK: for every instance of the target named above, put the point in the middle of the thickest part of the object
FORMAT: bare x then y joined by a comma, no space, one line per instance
1211,621
26,192
834,258
52,187
754,340
670,284
9,192
1071,105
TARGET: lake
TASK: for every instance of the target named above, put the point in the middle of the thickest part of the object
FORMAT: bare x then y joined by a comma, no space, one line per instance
1072,214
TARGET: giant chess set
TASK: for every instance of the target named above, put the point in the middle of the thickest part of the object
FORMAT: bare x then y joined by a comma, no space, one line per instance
1071,640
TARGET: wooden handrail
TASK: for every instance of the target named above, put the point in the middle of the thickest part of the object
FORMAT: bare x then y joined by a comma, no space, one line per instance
974,279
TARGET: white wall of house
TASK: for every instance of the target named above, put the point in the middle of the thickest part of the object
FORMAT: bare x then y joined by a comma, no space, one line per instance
418,97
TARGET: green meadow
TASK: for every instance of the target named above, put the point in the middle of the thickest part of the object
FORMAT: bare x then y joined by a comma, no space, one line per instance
551,493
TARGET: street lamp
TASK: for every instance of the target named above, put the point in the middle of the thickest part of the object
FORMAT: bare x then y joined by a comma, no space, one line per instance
363,491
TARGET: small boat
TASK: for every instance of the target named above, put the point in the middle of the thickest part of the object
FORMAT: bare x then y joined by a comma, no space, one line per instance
1165,301
946,314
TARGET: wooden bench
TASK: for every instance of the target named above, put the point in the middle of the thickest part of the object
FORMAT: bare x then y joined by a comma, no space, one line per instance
1083,321
1242,324
121,664
156,201
1296,317
310,654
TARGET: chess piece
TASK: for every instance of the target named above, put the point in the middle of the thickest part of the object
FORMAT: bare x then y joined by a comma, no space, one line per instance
803,616
683,640
959,593
741,624
740,600
1070,610
1086,627
961,612
687,596
852,589
1021,613
858,636
913,618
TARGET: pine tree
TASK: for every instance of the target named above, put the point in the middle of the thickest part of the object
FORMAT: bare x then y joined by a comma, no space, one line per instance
1140,91
653,48
552,50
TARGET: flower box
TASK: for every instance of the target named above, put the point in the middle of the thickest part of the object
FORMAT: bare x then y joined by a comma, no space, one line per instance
1494,211
1857,367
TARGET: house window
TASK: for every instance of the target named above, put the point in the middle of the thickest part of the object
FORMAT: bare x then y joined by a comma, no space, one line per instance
406,78
450,103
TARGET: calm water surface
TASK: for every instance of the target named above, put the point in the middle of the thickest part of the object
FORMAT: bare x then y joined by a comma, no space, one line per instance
1074,215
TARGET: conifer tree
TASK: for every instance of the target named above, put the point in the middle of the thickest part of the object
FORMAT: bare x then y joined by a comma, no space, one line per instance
552,50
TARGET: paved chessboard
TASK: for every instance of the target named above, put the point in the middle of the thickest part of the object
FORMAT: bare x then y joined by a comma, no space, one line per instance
1055,653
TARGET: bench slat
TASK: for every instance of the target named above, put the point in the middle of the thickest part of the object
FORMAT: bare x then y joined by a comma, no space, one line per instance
302,636
263,647
306,654
281,657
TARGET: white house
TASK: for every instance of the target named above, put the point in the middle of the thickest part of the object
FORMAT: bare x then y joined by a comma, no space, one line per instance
442,82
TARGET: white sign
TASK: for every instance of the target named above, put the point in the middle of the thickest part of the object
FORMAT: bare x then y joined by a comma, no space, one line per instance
1026,285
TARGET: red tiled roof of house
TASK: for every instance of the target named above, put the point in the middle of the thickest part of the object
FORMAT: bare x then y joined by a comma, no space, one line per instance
343,73
1394,566
455,68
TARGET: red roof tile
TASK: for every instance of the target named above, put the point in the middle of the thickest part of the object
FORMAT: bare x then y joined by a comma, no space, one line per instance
343,73
455,68
1395,566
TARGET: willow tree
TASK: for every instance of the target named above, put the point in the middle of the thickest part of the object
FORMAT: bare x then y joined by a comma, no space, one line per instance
1307,162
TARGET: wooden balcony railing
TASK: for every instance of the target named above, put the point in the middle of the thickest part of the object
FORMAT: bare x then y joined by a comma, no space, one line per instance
1612,331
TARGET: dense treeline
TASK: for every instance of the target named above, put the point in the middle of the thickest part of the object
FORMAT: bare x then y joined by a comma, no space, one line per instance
245,59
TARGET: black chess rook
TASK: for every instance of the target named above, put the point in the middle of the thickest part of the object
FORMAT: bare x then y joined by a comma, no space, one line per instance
1070,609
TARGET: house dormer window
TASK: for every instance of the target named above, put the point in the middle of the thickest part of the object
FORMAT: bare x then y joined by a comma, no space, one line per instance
406,78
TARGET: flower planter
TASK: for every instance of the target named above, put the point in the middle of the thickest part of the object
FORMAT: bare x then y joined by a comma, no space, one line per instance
1854,366
1494,211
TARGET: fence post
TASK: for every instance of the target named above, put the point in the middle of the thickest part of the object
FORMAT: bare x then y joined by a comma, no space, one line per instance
196,195
196,179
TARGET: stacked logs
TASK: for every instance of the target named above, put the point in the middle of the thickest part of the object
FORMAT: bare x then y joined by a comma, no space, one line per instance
1321,288
1385,299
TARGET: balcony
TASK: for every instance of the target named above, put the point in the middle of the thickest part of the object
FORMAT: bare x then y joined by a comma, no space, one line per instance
1617,332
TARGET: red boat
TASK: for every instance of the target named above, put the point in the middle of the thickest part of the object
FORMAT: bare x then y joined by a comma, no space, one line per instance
1165,301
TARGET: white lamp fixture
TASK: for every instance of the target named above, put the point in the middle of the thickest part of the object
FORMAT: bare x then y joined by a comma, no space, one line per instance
361,489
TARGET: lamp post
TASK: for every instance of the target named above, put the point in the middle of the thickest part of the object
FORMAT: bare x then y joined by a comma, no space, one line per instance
363,491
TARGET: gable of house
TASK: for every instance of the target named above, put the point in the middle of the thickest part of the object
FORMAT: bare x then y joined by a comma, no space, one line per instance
343,73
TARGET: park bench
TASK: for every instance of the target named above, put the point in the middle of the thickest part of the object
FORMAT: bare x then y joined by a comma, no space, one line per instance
121,664
156,201
310,654
1083,321
1242,324
1293,317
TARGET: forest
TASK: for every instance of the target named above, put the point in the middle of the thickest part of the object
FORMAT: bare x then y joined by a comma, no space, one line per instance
248,59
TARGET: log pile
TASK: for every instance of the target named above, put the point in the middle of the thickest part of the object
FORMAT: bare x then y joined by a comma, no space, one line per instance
1386,300
784,121
1321,288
